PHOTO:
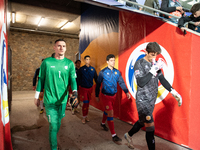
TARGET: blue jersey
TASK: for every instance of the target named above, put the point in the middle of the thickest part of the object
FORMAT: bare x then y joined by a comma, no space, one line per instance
86,76
109,79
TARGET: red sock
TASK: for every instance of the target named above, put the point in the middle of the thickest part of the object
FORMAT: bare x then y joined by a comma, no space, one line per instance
105,115
111,125
85,107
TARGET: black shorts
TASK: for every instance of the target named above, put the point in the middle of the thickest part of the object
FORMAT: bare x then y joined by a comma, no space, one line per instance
145,111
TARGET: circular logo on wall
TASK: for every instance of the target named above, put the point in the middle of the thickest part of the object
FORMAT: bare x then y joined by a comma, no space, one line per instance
168,70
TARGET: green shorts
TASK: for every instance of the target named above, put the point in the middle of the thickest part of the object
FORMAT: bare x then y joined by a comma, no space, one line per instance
55,112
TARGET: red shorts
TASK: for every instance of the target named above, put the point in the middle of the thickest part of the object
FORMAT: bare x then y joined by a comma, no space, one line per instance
85,93
108,101
70,90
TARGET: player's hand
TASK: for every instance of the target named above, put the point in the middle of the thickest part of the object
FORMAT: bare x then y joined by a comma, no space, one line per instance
177,96
128,95
156,66
97,99
36,102
34,87
73,99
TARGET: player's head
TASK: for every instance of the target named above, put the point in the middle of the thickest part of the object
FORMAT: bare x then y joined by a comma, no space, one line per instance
110,60
78,63
153,47
87,60
195,10
152,50
60,47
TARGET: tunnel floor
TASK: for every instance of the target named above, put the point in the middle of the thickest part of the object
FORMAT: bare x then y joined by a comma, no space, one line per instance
29,129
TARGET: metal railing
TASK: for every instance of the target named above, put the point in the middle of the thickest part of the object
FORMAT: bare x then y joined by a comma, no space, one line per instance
98,3
156,10
150,8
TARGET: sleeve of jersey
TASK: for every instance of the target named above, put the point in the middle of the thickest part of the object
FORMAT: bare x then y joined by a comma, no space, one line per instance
98,83
141,79
72,77
95,76
35,77
163,81
122,84
41,79
79,76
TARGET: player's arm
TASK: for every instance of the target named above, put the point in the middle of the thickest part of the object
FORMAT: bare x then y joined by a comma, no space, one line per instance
98,83
123,86
79,76
41,80
72,77
35,78
143,80
167,86
72,80
95,76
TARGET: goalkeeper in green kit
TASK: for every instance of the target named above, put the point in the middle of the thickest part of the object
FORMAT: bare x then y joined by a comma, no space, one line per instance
56,73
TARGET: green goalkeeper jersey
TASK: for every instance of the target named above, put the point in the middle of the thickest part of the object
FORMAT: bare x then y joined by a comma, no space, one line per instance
55,76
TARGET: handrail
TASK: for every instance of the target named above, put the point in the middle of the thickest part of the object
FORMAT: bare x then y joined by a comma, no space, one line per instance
162,12
156,10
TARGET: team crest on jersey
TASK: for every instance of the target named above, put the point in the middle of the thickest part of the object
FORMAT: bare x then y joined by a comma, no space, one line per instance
91,69
148,118
168,70
107,107
66,67
137,72
115,72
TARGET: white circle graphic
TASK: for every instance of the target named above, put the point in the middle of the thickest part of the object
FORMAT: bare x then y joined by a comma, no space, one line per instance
168,70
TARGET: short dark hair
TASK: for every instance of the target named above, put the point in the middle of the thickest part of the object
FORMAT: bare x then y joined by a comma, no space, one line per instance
59,40
153,47
52,55
195,8
77,61
42,59
110,56
86,56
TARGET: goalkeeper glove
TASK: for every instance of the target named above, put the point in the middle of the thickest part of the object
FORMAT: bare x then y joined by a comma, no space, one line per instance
73,99
177,96
156,66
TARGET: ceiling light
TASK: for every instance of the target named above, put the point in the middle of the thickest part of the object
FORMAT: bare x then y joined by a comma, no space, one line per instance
66,25
40,21
62,23
13,17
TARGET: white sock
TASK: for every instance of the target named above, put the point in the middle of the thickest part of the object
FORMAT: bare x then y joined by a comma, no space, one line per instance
113,135
41,104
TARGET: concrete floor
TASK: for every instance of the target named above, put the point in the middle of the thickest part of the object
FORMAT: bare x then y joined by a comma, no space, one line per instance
30,129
